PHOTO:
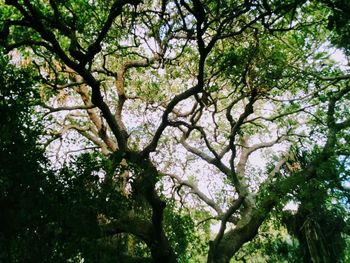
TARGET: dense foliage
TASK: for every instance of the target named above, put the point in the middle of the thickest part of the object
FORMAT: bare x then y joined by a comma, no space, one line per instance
174,131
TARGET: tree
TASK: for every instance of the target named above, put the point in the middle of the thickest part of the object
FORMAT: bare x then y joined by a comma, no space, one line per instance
303,235
22,178
151,91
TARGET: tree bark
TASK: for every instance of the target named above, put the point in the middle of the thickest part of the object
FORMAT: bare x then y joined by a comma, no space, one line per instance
234,239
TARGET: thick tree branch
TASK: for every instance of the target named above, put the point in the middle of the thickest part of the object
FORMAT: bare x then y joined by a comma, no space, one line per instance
331,78
115,11
195,190
67,108
96,120
138,227
164,122
211,160
236,125
233,208
120,85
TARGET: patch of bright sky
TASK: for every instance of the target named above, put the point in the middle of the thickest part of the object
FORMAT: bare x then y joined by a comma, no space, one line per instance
339,56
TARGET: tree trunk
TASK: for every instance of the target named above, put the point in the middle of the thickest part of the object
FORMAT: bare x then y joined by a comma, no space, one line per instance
234,239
